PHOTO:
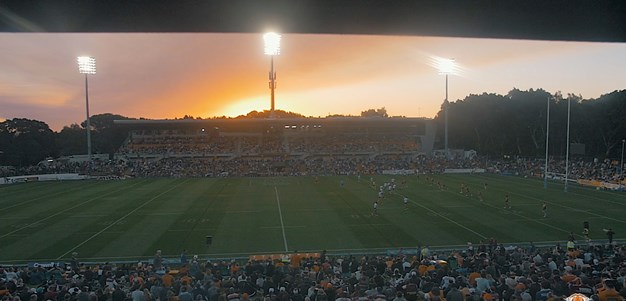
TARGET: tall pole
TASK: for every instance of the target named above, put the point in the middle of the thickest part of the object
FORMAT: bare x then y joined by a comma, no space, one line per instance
545,172
621,175
446,104
86,66
272,83
569,101
446,66
272,48
88,119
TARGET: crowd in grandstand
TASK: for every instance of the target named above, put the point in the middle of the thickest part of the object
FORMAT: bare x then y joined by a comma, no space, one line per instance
487,272
315,165
206,145
174,153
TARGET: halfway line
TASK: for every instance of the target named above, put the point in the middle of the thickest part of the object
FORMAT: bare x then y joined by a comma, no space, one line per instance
282,224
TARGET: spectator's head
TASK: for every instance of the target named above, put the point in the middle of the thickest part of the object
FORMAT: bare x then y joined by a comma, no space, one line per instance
610,283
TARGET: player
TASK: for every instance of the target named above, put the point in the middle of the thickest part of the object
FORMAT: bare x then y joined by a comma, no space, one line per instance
480,196
609,234
375,209
544,209
507,204
406,203
586,234
571,237
485,185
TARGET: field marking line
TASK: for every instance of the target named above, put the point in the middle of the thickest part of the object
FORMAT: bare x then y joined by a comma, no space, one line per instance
282,224
41,197
583,188
445,217
161,213
242,211
312,210
120,219
18,190
190,230
529,218
368,225
87,215
522,216
276,227
63,211
575,187
567,207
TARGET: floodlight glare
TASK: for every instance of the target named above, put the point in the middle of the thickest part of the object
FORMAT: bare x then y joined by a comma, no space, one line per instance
272,43
446,66
272,48
86,65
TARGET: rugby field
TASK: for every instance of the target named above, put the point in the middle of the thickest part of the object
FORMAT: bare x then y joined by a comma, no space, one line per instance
131,219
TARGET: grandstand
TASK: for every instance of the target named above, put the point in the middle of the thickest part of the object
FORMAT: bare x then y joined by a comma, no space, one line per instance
274,146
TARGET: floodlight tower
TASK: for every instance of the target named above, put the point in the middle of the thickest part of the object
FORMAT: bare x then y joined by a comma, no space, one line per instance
545,172
272,48
86,66
446,66
569,105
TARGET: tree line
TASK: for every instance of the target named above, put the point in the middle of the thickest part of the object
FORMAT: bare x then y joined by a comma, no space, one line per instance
515,124
495,125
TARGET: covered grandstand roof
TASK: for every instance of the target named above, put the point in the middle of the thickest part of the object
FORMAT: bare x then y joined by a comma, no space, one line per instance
262,122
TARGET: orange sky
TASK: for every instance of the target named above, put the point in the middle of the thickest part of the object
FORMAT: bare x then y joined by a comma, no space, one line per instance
171,75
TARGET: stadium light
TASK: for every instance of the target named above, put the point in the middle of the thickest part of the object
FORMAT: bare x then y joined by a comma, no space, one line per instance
569,102
446,66
545,172
272,48
86,66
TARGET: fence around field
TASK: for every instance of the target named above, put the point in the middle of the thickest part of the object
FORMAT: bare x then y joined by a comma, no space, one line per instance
175,261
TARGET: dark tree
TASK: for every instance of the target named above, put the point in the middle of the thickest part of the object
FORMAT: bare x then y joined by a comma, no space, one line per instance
515,124
106,137
25,142
382,112
72,140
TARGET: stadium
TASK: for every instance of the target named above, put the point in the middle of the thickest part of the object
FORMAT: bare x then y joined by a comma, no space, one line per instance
282,207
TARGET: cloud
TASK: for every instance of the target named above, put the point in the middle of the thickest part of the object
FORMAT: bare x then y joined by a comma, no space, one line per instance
201,74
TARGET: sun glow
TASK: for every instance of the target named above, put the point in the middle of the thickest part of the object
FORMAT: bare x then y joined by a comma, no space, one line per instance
245,106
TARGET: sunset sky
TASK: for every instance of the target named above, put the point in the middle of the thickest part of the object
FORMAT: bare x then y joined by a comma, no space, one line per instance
171,75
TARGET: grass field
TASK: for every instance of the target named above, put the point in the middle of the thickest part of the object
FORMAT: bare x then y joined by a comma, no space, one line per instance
130,219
